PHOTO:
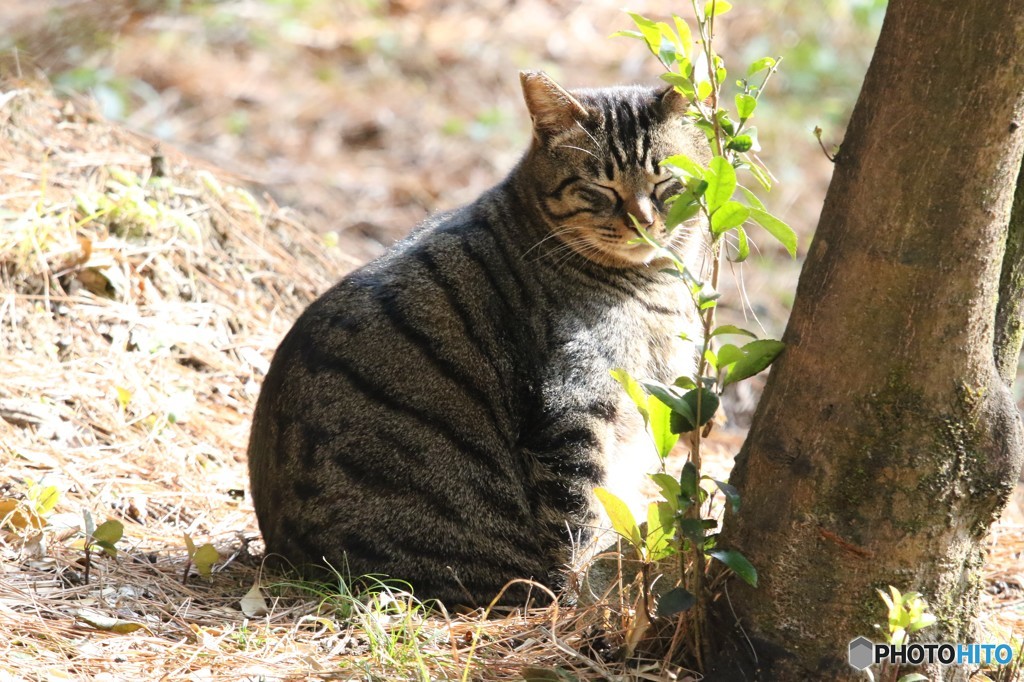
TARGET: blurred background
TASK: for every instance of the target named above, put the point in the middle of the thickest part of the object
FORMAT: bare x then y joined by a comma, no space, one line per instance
368,115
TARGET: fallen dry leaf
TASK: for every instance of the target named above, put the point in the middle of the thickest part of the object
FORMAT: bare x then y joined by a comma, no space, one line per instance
253,604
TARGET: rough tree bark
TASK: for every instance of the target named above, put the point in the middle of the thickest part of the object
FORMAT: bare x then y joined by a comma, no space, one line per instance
1010,310
887,441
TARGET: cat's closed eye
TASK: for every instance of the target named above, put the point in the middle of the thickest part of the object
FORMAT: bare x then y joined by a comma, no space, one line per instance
663,189
601,198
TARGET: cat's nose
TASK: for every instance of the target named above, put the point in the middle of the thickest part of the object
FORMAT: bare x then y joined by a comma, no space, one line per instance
641,208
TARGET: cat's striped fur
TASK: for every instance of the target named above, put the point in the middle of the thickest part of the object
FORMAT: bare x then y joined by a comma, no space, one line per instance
442,415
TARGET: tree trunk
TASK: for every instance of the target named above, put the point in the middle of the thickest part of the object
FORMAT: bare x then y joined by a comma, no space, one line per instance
1010,311
887,442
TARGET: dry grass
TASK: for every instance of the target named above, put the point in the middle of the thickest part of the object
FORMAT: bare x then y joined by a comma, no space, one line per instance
137,316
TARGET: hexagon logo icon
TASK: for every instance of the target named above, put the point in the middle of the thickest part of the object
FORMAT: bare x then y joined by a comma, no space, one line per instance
862,653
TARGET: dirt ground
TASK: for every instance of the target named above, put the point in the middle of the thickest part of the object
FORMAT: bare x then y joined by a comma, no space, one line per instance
149,267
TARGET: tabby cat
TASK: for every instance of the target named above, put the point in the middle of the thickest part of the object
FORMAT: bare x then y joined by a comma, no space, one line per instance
442,415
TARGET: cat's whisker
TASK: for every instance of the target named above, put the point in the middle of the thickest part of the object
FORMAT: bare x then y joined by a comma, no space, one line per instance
557,233
588,134
581,246
580,149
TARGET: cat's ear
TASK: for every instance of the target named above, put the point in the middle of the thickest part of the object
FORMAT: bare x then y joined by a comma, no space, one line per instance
671,103
552,109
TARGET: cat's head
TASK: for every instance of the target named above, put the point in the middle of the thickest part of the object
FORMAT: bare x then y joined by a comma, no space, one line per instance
596,158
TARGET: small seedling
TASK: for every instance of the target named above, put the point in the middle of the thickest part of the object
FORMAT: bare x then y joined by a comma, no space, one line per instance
907,613
103,537
202,557
681,523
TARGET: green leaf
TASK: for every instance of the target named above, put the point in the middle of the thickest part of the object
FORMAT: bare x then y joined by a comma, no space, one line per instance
760,65
732,329
688,480
685,164
741,143
683,419
776,228
692,529
695,189
745,105
661,427
711,359
738,563
742,246
752,132
627,34
678,80
108,548
716,7
725,122
204,558
721,179
681,82
730,492
668,52
686,204
622,519
669,487
729,215
676,600
667,396
681,423
660,527
648,29
659,38
109,531
706,127
751,198
729,354
683,32
680,212
757,355
703,90
634,391
913,677
685,383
